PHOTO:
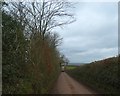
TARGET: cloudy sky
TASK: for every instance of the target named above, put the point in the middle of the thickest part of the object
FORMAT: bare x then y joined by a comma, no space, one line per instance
94,35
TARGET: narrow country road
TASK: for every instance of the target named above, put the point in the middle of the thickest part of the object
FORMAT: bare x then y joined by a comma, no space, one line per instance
67,85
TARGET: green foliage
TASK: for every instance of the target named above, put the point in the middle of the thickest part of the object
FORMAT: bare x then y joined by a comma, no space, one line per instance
30,65
68,67
101,75
13,53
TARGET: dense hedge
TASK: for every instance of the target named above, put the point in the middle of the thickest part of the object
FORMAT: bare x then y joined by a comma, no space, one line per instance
30,65
100,75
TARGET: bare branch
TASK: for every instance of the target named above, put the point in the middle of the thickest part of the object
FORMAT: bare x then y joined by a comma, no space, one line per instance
42,16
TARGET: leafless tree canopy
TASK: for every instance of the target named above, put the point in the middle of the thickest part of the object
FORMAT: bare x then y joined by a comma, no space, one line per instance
41,17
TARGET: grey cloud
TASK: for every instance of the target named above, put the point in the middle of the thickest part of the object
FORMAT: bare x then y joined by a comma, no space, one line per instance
94,35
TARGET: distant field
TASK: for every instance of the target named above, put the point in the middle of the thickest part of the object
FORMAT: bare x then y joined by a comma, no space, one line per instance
100,75
71,67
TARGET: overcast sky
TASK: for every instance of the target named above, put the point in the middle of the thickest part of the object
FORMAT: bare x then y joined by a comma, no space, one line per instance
94,36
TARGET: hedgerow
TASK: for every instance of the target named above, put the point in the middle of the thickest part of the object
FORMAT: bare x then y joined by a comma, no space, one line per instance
100,75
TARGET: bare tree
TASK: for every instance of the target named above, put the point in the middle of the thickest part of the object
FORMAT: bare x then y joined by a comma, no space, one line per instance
54,39
41,17
64,61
